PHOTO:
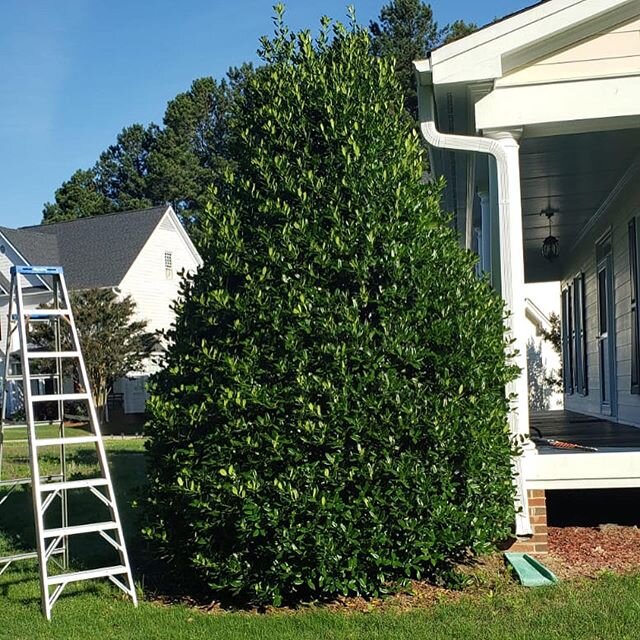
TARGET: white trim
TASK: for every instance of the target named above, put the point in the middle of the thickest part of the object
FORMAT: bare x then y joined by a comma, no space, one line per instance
504,148
580,105
607,468
185,236
171,214
526,36
533,312
24,262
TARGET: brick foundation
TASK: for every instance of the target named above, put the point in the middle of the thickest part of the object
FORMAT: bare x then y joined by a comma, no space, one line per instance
538,543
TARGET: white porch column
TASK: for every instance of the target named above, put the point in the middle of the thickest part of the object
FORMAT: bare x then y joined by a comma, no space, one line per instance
512,281
485,225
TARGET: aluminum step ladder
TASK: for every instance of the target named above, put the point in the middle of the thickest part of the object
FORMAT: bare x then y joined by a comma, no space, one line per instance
52,550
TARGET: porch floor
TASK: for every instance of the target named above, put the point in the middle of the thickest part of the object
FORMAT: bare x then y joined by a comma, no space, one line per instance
583,430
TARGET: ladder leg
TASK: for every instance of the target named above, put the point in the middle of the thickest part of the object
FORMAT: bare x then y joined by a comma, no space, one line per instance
55,541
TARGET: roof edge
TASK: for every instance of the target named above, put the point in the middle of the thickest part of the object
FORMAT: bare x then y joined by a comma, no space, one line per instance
522,37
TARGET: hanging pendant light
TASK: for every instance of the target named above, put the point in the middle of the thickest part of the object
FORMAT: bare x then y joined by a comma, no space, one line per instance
550,245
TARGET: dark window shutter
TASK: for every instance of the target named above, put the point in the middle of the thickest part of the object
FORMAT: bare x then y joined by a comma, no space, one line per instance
635,333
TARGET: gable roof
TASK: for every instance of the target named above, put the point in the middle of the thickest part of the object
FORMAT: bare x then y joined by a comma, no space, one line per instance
522,37
94,252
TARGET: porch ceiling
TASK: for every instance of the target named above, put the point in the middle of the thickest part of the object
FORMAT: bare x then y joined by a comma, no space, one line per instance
574,174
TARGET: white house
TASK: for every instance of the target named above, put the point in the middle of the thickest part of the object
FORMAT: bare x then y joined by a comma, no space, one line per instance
136,253
535,122
542,300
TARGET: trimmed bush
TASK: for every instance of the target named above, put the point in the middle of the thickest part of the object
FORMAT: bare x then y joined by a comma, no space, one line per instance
331,418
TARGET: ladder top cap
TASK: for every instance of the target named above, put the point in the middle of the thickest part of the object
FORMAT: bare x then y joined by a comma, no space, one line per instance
37,271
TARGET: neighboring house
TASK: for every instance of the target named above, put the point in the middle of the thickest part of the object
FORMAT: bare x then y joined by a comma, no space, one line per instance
542,360
536,114
136,253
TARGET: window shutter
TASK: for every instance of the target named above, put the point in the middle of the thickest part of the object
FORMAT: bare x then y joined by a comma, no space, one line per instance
635,333
580,343
567,342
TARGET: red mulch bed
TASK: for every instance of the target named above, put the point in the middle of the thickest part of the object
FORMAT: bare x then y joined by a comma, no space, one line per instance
588,551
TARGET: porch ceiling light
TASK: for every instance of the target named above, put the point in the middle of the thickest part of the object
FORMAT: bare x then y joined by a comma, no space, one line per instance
550,245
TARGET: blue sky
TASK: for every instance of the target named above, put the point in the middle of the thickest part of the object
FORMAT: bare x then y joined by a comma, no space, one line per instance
73,73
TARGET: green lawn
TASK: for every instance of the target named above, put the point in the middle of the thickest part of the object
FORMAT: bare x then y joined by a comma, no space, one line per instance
606,608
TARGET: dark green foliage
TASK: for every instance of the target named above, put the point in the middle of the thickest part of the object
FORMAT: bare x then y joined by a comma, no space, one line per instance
406,31
117,182
114,343
78,197
149,166
331,418
191,151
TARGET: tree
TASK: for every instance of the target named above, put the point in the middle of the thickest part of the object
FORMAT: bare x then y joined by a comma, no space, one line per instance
113,343
122,170
192,149
117,182
331,416
78,197
406,31
148,166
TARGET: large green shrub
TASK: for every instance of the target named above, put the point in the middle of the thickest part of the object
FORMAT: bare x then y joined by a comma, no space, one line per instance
332,415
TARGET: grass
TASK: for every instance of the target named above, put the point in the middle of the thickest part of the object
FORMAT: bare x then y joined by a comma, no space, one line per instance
608,607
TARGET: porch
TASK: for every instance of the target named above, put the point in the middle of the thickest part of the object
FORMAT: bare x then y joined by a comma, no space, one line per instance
583,430
614,463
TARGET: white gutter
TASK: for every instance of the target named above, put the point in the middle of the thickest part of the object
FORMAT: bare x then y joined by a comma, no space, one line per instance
504,148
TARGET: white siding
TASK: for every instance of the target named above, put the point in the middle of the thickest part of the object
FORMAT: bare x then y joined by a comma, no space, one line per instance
583,259
616,52
147,281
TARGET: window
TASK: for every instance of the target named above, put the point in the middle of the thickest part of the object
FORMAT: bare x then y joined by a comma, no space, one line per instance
168,264
635,332
574,343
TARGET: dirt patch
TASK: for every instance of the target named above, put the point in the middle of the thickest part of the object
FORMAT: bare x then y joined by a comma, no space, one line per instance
588,551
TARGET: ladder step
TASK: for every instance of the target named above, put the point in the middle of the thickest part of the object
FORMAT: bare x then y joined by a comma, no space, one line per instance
75,530
105,572
52,354
74,484
54,397
52,442
45,313
17,481
14,482
36,270
19,556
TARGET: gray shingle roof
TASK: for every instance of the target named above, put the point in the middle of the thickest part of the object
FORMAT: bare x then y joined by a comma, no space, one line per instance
94,252
37,248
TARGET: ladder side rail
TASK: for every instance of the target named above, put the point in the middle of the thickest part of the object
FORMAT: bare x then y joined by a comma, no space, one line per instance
6,372
59,381
33,453
95,426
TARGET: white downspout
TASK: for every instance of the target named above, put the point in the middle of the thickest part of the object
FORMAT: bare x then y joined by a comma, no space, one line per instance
505,151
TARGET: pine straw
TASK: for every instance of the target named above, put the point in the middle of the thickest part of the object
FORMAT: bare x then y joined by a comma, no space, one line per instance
588,551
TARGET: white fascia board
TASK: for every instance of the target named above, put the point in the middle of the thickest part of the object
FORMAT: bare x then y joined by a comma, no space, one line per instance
24,262
593,470
184,235
582,103
535,315
524,37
